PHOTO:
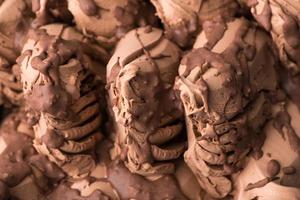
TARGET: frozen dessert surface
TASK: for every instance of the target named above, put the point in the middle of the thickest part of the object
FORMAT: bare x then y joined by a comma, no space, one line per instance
149,99
108,21
140,82
183,19
225,102
60,85
276,147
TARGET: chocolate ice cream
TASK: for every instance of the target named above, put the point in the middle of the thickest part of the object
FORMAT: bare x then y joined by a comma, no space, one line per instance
183,19
59,84
224,85
146,111
149,99
281,18
107,21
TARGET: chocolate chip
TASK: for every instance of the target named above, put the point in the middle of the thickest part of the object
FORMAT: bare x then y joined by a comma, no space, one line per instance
273,168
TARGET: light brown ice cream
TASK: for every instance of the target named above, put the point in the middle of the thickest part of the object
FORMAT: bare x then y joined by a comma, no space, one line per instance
112,180
146,111
183,19
107,21
59,84
250,183
282,19
224,84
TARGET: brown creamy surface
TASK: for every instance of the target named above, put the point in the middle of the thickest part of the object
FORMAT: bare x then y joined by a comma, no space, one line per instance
146,111
22,169
96,103
183,19
282,20
275,175
224,90
108,21
20,162
61,84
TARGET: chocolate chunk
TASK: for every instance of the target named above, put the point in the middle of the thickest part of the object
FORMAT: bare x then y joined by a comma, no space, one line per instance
289,170
260,183
273,168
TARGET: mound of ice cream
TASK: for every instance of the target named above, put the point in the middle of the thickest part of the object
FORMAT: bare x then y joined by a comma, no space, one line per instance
141,75
59,84
107,21
223,84
182,19
281,18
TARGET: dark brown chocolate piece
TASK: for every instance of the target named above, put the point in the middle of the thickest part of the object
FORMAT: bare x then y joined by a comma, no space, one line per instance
273,168
135,14
260,183
289,170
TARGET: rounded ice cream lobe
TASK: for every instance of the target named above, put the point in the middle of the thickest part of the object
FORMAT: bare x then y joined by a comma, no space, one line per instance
59,83
108,21
224,85
182,19
146,111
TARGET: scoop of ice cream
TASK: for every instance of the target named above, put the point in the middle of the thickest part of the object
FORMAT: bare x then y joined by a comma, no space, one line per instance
282,19
223,84
109,20
59,83
256,179
182,19
140,76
